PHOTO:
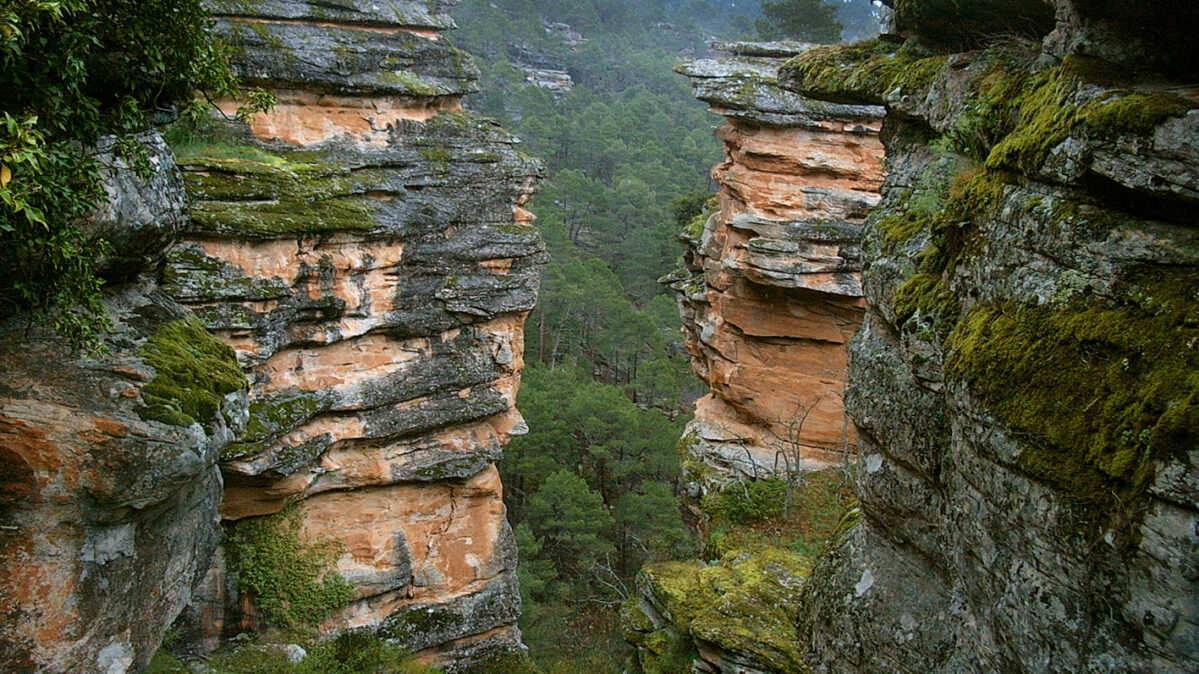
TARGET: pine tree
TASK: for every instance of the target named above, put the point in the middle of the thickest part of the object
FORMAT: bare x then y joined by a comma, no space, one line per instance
803,20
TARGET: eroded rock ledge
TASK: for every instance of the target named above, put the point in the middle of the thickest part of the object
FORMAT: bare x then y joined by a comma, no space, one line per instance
771,292
109,488
363,249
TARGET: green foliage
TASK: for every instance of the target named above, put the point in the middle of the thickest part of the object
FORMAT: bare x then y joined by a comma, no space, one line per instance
73,71
748,502
1096,394
194,371
802,20
292,583
572,522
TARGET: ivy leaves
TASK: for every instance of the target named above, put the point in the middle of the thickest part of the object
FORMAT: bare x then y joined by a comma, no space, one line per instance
73,71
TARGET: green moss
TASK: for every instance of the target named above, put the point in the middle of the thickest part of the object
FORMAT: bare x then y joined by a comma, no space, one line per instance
1136,114
291,582
1095,394
684,589
272,417
410,82
694,229
926,295
284,218
747,602
238,187
194,371
1047,117
862,72
439,156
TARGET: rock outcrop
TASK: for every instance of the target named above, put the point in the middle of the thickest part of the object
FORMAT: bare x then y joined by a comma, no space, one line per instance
109,491
1024,382
363,248
771,293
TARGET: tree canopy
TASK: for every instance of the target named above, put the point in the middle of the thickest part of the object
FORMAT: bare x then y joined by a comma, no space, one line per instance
802,20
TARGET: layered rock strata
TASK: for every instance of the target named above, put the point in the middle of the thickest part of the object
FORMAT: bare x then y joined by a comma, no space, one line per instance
363,248
1024,382
771,292
109,488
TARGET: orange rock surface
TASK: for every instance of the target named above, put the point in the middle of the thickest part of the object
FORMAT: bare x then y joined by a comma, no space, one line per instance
771,293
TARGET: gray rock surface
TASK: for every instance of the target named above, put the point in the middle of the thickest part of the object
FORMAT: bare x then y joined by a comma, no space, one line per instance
108,517
980,548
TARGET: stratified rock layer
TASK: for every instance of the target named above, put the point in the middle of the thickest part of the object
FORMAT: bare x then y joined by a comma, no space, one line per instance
363,248
1024,383
109,490
771,292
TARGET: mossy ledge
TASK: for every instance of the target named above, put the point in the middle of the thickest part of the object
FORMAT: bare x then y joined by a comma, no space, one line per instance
1096,395
746,603
194,373
860,73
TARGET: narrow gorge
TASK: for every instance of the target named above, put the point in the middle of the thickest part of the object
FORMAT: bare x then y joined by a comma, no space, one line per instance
938,289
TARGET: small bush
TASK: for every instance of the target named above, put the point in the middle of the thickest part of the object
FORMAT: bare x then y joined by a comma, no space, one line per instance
748,502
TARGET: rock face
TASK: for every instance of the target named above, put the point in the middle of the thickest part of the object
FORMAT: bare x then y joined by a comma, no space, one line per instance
771,293
109,491
364,250
1024,382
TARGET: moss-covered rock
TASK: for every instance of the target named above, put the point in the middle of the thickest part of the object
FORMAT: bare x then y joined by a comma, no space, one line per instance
743,606
194,372
862,72
1099,392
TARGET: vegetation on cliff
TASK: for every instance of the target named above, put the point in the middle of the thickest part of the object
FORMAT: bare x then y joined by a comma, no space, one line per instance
74,71
194,371
293,584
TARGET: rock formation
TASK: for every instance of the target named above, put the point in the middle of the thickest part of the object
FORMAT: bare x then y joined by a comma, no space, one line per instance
332,327
770,296
1024,382
771,292
109,491
363,249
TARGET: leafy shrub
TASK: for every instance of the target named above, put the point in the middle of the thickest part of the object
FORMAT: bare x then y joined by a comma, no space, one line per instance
292,583
73,71
748,502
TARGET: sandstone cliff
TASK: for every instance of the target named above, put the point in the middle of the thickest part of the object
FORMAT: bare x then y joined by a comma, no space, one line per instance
771,292
322,348
1023,384
363,249
770,297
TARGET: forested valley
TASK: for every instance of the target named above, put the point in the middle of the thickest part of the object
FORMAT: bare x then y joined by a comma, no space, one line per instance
588,86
